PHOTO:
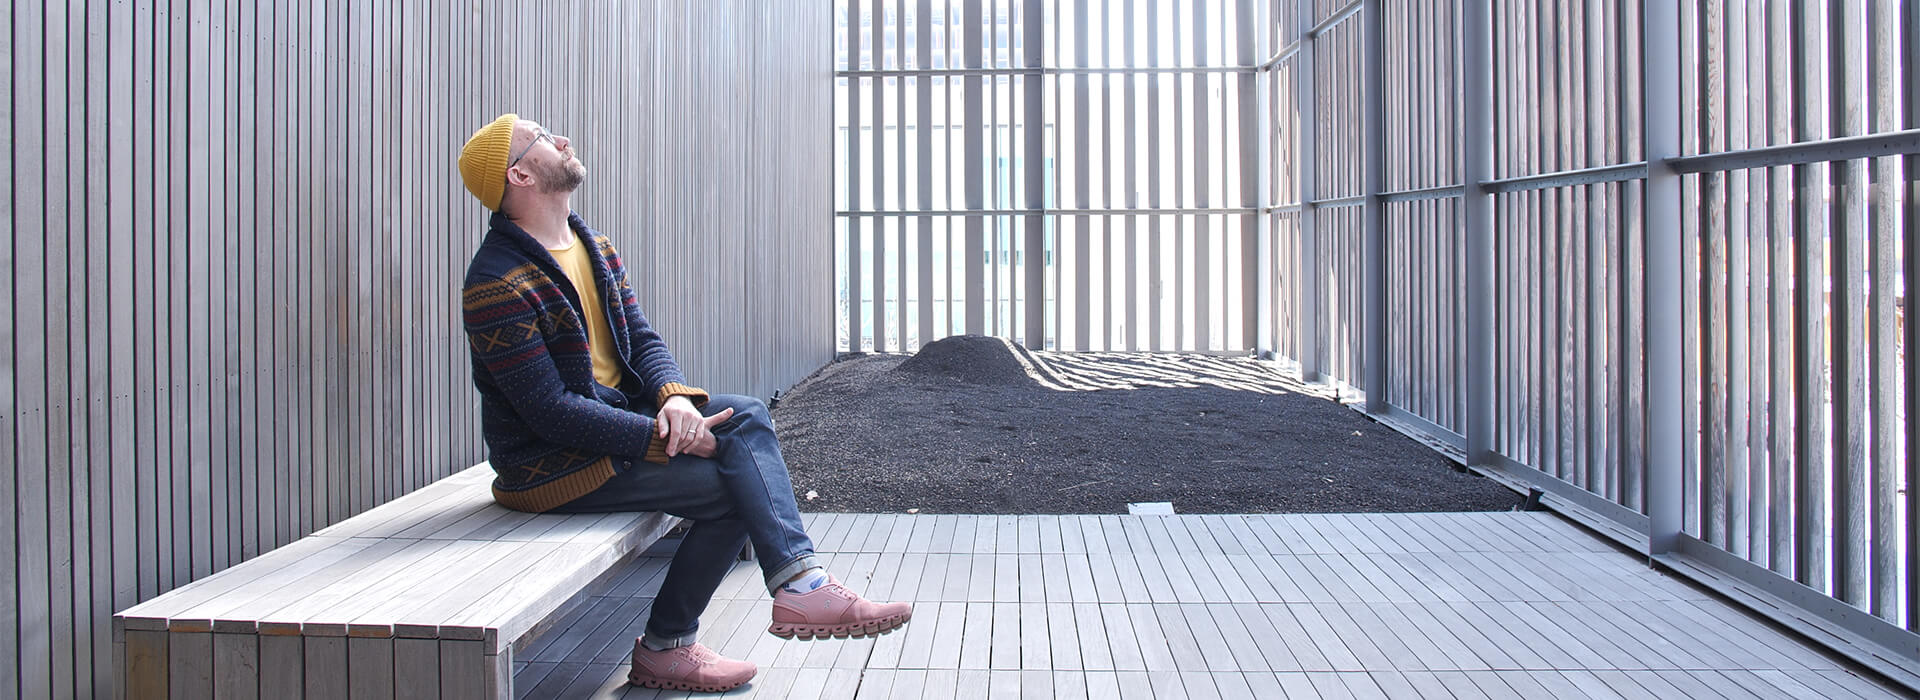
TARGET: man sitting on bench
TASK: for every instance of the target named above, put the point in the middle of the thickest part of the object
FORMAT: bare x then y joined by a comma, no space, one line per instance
584,410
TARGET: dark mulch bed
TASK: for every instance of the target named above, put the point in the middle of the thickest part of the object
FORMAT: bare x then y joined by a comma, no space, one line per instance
974,425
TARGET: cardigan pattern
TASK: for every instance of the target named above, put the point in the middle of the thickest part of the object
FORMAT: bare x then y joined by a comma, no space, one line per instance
554,434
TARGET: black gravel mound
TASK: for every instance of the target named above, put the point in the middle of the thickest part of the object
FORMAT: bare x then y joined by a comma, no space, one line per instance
963,427
972,359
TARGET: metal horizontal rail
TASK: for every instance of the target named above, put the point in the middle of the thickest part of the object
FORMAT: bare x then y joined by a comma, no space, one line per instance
1283,55
1047,212
1893,143
1312,33
1442,192
1609,519
1867,640
1341,201
1355,200
1568,178
1621,523
1849,148
1049,70
942,72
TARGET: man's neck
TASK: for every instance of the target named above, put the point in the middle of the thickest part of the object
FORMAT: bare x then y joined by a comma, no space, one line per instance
545,219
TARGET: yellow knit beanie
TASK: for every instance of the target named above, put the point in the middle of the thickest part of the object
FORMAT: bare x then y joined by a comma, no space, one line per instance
483,161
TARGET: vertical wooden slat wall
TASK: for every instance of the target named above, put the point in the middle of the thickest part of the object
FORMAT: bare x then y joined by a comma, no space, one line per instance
1561,69
1018,181
1794,459
1426,299
1787,447
237,240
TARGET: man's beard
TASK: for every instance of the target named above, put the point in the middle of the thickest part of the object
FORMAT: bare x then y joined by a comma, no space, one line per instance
566,177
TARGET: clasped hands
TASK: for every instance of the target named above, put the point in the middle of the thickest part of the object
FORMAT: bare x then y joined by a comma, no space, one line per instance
685,430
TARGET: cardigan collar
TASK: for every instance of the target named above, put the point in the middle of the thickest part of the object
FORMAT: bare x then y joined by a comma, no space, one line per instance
508,231
503,231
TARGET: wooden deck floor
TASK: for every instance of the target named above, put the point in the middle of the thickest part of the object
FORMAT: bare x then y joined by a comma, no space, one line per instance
1505,605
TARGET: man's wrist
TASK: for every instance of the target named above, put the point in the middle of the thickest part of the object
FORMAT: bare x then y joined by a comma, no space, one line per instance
696,396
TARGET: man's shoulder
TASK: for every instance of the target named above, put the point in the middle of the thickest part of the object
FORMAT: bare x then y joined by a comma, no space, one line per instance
499,265
495,258
603,243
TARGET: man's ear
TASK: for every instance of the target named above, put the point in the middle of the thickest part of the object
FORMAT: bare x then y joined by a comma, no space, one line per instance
519,176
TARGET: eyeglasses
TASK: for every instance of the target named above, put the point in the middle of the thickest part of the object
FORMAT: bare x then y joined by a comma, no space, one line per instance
544,134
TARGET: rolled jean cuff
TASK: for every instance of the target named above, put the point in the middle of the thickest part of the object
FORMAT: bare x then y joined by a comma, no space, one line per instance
659,643
789,570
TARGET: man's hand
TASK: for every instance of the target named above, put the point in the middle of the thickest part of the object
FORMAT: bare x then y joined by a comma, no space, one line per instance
685,429
705,443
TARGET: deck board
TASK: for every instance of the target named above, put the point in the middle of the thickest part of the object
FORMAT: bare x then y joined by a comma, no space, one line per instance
1509,605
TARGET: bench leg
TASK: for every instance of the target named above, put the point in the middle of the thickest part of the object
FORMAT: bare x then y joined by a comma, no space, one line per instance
467,671
146,665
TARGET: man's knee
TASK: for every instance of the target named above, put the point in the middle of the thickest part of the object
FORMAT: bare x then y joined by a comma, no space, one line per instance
745,408
691,488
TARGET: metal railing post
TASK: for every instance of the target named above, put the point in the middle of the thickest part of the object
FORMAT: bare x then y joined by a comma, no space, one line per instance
1373,212
1033,245
1661,117
1476,204
1307,261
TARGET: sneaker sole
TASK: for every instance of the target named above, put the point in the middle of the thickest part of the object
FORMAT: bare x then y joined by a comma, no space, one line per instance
668,684
804,632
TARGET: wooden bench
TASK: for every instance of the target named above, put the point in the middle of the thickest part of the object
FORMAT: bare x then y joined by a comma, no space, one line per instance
425,596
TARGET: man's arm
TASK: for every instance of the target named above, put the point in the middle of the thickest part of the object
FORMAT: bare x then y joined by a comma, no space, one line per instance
504,333
650,357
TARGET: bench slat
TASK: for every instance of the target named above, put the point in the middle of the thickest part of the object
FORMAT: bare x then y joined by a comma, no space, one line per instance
469,527
540,590
534,527
375,608
488,583
317,597
326,653
609,529
236,666
282,666
189,665
465,672
146,665
416,668
452,513
415,517
569,527
295,556
329,562
473,575
492,530
370,668
549,586
449,487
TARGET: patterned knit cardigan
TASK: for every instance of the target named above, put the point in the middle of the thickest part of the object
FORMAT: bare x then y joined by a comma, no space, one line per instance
553,433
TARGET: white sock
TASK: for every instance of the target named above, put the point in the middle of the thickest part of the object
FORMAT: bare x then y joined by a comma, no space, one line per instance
805,582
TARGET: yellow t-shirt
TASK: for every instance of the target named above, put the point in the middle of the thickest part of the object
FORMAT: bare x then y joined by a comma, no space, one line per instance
578,265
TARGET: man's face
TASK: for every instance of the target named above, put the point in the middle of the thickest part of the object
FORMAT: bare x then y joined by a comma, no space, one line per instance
549,158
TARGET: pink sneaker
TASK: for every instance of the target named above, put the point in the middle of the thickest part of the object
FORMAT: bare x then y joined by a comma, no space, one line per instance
833,611
693,667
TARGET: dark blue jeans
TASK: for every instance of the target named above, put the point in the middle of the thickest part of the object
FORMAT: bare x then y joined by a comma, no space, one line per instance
742,494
